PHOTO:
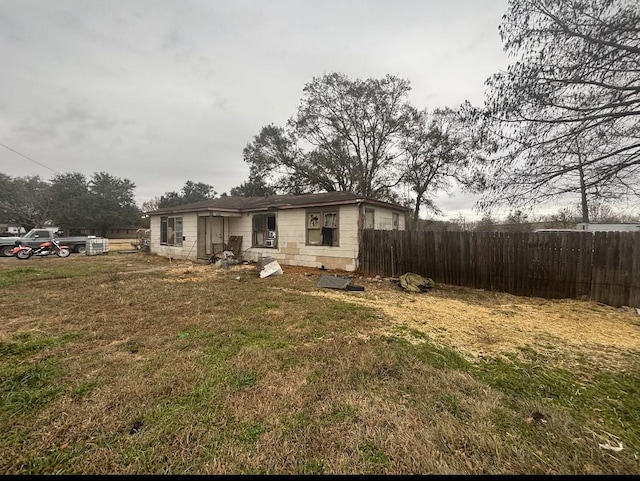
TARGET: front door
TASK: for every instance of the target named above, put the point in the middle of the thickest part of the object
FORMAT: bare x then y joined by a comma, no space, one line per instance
211,232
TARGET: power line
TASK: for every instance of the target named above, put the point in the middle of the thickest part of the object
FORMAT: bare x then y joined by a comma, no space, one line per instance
29,158
41,164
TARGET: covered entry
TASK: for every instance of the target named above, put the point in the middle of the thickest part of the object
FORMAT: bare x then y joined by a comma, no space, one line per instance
213,233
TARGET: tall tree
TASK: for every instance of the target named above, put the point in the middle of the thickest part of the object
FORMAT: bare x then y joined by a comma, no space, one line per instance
151,204
25,201
253,187
345,136
111,202
71,201
190,193
486,224
197,191
517,221
566,112
436,154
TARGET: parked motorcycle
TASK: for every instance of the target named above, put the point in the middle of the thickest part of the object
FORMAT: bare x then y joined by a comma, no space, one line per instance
23,252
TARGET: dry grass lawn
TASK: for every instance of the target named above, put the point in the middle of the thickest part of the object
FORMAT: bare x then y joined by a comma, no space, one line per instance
476,322
131,364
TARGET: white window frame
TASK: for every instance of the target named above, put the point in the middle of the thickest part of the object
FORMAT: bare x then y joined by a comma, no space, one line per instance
369,218
317,221
265,236
171,230
395,221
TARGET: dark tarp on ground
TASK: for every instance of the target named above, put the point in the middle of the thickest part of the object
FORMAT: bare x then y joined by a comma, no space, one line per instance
333,282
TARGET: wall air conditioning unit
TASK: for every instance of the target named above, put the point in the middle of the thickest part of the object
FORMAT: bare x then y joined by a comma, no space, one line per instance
270,243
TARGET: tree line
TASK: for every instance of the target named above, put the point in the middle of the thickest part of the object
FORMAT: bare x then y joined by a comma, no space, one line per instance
75,202
68,200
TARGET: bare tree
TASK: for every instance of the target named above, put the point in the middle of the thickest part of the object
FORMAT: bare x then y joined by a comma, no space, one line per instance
345,136
151,204
566,113
435,153
517,221
486,224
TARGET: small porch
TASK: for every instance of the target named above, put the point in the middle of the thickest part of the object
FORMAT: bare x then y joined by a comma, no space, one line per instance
214,234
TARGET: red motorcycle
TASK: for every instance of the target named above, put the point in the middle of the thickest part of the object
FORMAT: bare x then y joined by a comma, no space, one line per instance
46,248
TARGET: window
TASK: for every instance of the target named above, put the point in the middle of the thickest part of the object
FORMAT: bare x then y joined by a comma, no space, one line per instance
322,228
264,230
171,231
369,219
395,221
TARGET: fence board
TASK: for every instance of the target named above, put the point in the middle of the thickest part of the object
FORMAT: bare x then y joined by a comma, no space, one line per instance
601,266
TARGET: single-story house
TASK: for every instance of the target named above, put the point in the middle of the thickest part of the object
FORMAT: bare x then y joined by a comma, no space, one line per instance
312,230
121,232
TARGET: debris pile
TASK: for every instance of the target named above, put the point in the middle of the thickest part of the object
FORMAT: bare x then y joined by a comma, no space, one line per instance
411,282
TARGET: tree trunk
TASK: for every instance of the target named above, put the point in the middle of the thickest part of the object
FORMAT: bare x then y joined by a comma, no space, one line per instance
583,191
416,216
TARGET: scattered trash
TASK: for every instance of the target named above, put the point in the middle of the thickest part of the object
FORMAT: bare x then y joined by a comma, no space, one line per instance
638,310
333,282
336,282
536,417
415,283
607,446
608,439
136,427
222,259
270,269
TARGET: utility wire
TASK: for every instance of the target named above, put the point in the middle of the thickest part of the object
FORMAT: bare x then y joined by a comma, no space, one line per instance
29,158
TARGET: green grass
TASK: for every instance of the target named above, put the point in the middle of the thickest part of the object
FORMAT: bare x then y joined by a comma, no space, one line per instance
374,457
22,275
26,343
25,385
615,398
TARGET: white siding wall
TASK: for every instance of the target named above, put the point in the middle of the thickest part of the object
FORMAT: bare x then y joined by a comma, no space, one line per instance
291,238
383,219
188,250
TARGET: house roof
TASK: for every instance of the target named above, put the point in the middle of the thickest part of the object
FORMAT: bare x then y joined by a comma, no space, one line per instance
274,202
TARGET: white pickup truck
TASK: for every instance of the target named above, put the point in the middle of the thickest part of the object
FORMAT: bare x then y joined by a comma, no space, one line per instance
35,237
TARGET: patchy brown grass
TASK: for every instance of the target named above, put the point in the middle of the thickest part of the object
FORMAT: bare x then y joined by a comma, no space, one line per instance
129,364
481,323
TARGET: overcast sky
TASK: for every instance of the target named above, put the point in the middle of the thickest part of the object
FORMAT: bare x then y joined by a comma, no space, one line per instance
165,91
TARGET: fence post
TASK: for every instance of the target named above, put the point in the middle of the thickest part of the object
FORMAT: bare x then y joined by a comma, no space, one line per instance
393,263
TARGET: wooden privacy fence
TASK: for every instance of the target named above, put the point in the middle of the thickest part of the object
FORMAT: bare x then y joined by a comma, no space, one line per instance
600,266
